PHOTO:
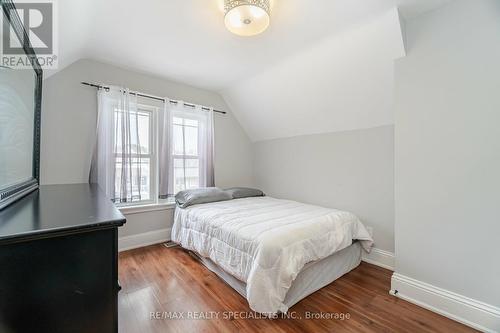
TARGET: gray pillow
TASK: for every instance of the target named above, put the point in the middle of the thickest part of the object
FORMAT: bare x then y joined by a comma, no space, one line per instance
244,192
197,196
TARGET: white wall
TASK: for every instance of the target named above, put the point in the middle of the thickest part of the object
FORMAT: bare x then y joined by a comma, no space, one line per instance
351,170
447,141
69,120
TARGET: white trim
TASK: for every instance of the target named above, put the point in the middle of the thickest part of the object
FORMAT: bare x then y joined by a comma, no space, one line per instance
380,258
468,311
129,210
144,239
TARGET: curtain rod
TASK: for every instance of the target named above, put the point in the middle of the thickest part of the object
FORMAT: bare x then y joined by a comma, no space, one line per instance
98,86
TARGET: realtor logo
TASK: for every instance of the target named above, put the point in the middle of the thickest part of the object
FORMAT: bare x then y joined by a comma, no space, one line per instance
39,21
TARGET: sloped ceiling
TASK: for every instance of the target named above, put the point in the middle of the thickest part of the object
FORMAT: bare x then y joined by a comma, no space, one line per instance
322,65
344,82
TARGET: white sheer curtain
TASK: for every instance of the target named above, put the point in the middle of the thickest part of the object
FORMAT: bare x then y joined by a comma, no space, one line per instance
115,165
186,156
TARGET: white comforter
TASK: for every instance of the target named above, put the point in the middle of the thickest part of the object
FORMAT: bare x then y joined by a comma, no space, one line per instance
265,242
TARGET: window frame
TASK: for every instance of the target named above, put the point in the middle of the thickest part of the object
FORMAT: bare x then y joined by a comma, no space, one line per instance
146,205
198,157
152,156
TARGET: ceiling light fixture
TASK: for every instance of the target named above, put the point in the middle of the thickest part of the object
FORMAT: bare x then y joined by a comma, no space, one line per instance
246,17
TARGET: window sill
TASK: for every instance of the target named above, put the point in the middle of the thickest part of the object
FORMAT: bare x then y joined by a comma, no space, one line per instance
137,209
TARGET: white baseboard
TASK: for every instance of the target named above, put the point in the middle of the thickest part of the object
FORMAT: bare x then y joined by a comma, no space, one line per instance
468,311
380,258
144,239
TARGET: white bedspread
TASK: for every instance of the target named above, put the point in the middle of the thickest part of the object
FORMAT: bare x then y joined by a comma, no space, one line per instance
265,242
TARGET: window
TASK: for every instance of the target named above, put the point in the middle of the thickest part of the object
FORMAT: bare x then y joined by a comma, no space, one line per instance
140,176
147,150
185,154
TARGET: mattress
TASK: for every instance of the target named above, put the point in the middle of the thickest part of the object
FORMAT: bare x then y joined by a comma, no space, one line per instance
314,276
266,242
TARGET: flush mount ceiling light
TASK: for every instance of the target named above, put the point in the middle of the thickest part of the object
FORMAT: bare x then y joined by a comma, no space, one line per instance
246,17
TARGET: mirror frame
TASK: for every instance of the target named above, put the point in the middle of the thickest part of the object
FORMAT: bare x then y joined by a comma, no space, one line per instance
14,192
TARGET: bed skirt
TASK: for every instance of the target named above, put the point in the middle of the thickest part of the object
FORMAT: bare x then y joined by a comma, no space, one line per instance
312,277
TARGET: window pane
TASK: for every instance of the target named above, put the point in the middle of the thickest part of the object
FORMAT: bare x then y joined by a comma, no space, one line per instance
144,124
191,122
185,146
185,138
192,163
145,189
191,137
178,140
118,132
188,177
138,171
178,163
178,175
192,173
131,131
136,131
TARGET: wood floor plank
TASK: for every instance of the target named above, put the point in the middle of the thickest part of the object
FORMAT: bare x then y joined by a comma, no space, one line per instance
127,322
169,281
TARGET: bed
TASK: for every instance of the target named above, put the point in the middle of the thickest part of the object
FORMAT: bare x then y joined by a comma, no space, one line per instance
273,252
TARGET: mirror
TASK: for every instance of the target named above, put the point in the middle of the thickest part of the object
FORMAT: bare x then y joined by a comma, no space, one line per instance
20,100
17,107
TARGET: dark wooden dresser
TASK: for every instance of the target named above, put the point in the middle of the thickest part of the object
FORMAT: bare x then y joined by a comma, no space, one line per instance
58,261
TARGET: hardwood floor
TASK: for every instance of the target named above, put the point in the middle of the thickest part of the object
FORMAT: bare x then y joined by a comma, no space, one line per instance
167,282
